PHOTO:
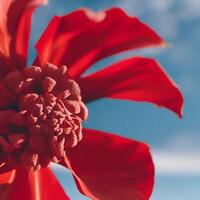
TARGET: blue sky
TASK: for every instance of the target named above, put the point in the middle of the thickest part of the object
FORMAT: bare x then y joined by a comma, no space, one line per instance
174,142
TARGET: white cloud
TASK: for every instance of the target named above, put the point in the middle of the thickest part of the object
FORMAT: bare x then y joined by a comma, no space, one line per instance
190,9
177,163
180,155
183,141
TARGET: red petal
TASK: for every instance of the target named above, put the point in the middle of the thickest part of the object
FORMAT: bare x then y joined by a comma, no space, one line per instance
30,186
15,24
139,79
83,37
109,167
5,181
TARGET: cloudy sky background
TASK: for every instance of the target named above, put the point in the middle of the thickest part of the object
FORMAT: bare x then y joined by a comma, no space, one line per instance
175,143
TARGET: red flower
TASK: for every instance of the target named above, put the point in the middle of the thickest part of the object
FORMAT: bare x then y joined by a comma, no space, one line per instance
41,107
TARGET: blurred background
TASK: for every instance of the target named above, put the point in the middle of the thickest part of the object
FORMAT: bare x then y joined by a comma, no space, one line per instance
175,143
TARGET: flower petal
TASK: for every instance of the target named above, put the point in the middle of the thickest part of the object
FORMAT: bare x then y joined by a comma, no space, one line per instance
15,21
109,167
83,37
37,185
5,181
139,79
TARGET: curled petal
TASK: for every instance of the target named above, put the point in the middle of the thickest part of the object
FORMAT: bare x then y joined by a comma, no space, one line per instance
83,37
138,79
15,22
109,167
30,185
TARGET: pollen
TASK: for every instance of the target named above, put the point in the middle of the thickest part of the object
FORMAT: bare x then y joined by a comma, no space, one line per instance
44,114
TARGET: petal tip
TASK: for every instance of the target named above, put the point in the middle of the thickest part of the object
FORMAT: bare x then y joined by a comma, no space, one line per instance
180,112
46,2
166,44
94,16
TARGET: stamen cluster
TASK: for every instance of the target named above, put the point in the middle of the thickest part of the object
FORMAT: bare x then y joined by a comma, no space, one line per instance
44,111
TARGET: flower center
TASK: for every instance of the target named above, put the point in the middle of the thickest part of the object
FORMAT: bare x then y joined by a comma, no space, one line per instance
43,114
